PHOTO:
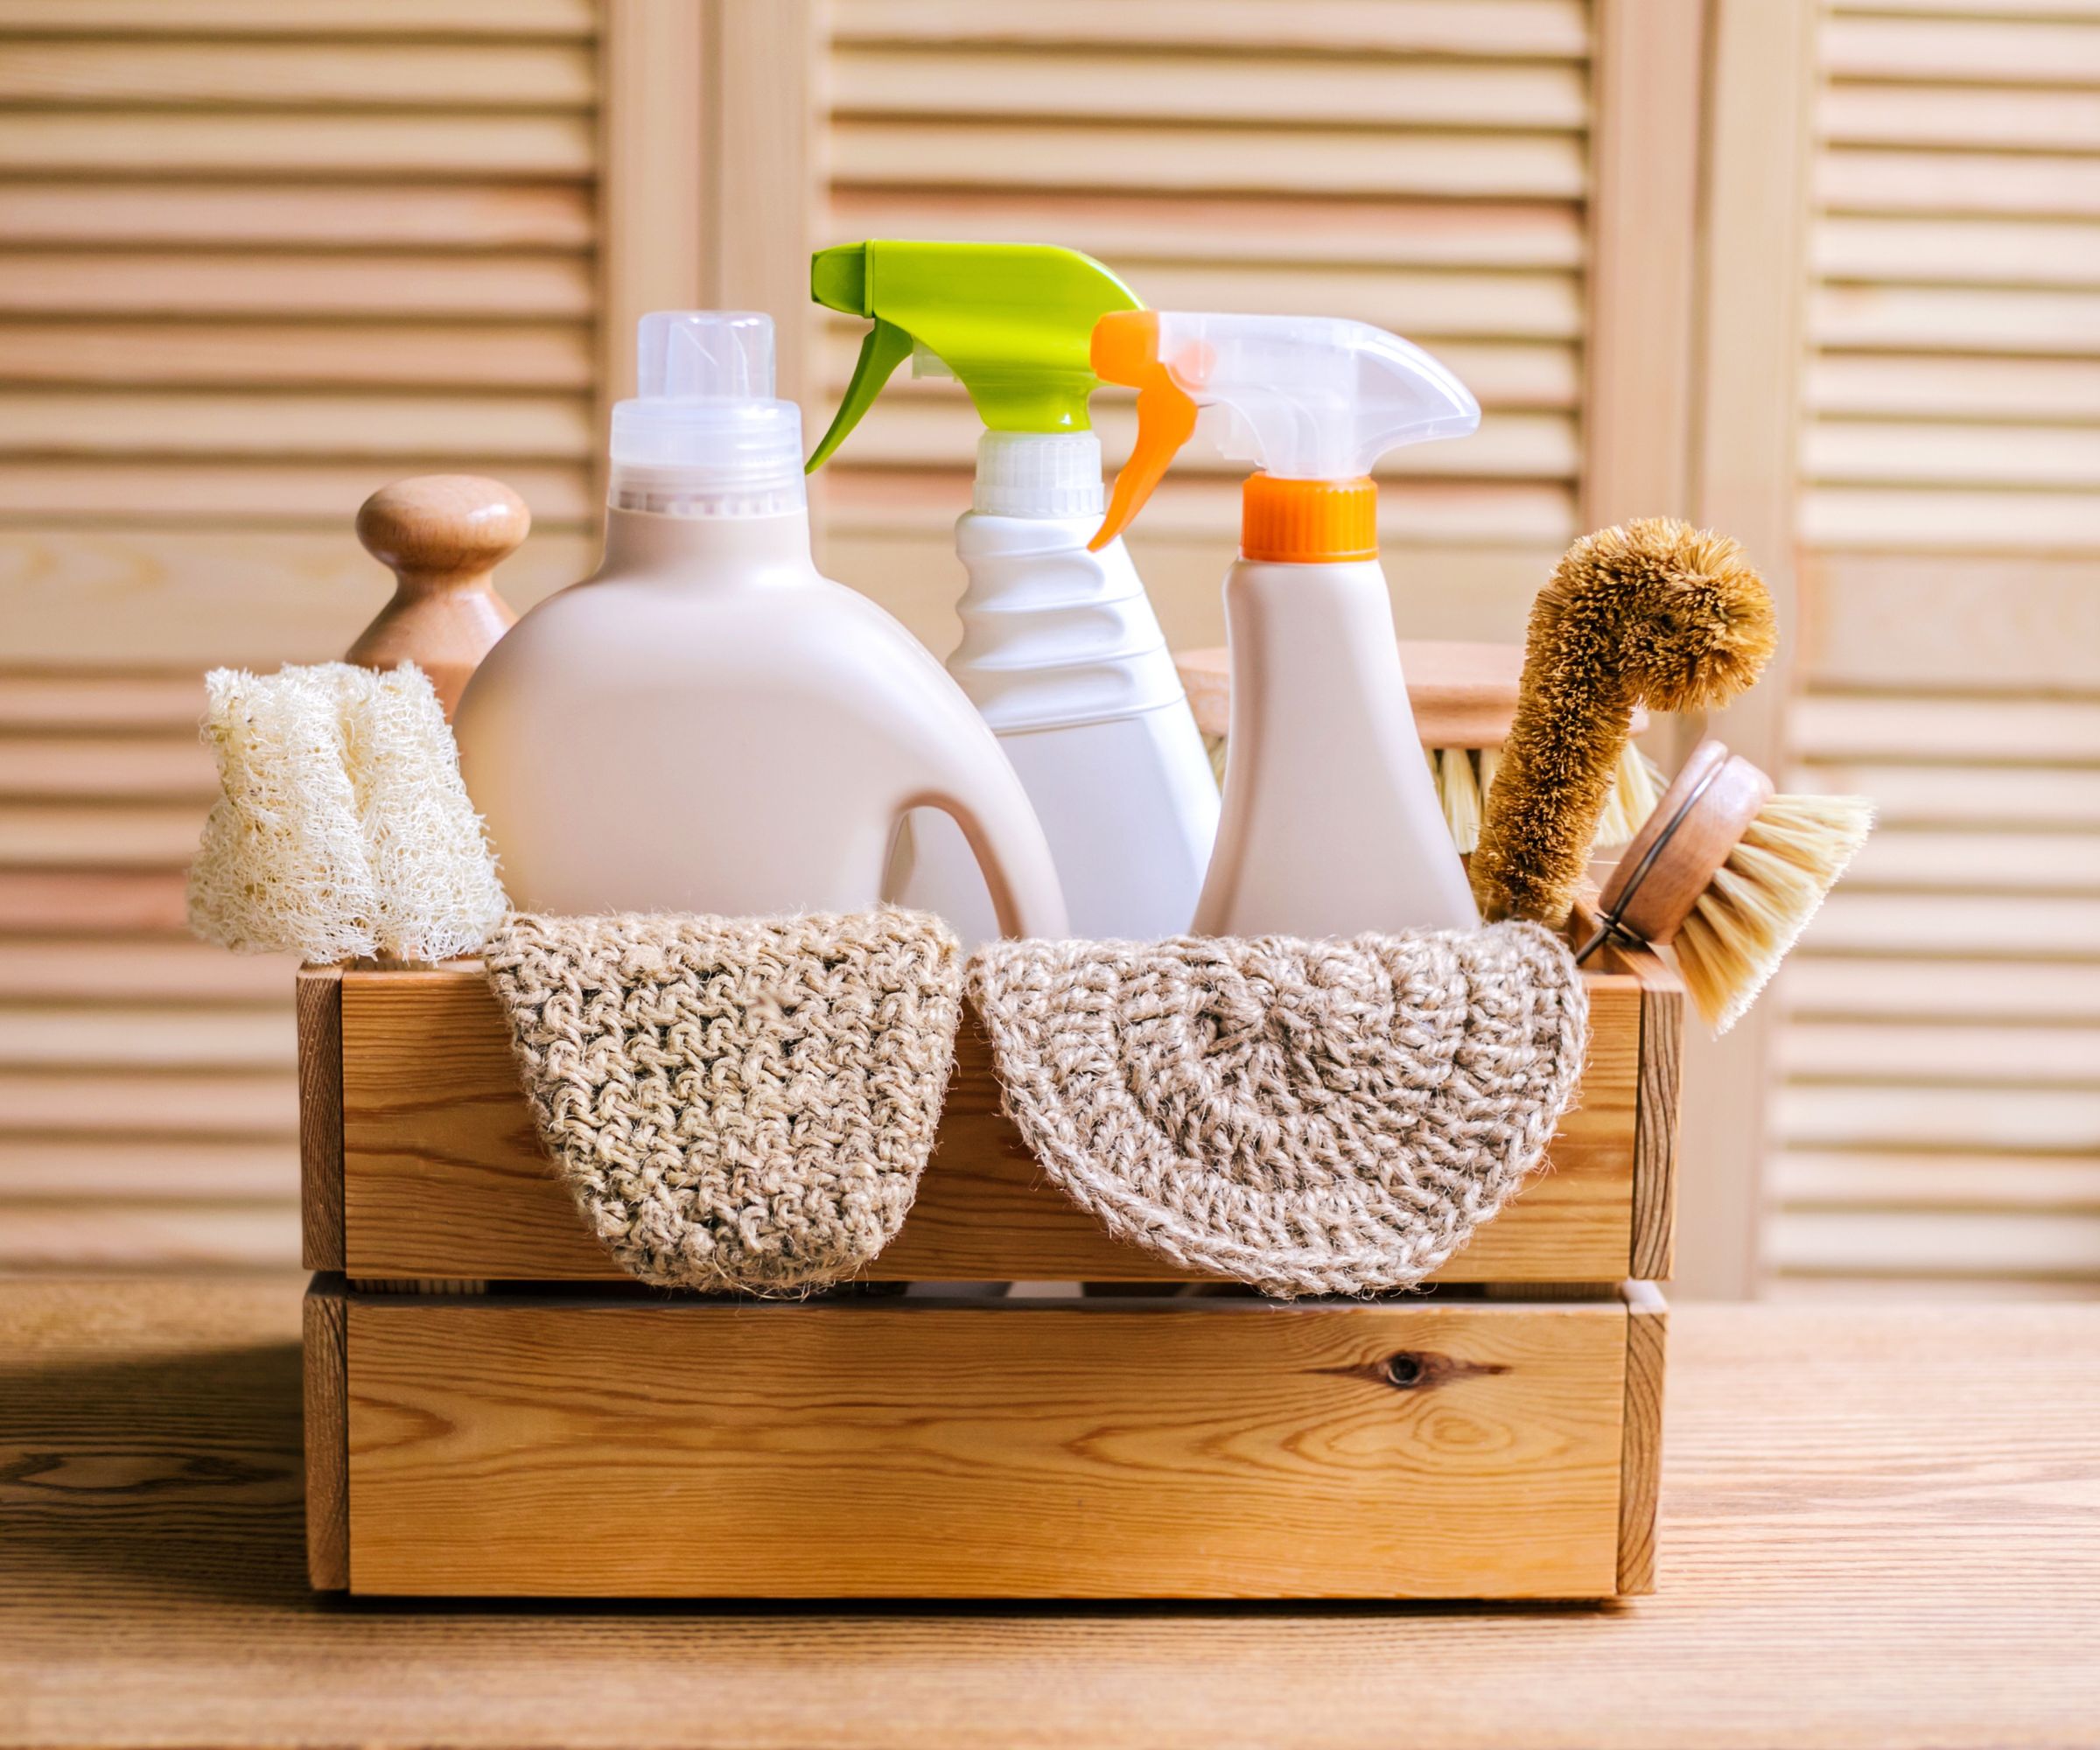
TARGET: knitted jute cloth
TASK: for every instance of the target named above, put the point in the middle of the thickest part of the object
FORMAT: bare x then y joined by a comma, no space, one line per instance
1312,1117
736,1104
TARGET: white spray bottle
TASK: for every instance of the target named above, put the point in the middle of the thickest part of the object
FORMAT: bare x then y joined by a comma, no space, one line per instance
1331,823
1060,650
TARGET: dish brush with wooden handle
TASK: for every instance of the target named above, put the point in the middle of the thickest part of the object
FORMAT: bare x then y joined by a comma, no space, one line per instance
1655,614
1727,874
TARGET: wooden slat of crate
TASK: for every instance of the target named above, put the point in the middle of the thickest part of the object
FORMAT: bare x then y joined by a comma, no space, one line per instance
586,1445
442,1176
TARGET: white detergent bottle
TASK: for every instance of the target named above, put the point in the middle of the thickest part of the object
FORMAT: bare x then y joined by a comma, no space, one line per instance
705,723
1330,824
1061,651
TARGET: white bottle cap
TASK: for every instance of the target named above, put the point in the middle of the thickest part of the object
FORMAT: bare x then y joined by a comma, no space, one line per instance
704,435
1038,473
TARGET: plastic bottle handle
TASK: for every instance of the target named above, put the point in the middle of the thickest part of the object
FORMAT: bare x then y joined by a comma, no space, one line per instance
441,535
1013,856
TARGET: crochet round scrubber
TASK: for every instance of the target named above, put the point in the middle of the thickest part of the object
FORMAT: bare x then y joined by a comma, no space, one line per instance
735,1102
1311,1117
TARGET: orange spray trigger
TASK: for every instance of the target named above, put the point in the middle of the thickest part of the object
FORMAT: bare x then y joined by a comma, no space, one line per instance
1126,351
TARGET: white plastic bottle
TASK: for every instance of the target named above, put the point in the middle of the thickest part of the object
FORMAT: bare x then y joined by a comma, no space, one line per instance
1060,650
1333,825
705,723
1330,824
1063,656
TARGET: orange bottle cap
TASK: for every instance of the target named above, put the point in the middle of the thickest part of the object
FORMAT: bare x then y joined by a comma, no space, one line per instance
1302,523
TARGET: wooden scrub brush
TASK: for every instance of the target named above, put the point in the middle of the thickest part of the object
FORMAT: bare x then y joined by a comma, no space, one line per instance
1727,875
1656,613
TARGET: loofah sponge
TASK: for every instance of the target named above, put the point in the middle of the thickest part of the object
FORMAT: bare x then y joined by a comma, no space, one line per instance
342,827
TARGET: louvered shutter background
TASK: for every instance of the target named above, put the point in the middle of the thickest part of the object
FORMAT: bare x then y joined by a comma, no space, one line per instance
1941,1113
265,257
261,258
1415,164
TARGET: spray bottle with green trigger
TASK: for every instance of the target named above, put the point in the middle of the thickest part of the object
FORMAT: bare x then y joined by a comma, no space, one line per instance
1060,650
1331,826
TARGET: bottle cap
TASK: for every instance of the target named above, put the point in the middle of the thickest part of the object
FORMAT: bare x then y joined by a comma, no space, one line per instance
1307,522
704,435
1038,474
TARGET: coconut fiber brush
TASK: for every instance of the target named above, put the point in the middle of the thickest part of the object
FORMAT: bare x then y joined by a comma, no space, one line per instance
1727,875
1656,613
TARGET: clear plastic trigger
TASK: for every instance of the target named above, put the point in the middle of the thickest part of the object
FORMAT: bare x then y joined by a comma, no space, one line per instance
1221,425
928,363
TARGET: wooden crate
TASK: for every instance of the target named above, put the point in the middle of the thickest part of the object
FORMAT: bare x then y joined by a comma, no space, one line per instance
596,1442
420,1160
556,1430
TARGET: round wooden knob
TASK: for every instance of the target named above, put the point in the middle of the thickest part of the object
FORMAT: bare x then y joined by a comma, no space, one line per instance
441,536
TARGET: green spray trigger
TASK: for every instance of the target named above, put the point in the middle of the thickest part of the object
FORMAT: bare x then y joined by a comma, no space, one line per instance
1013,321
885,347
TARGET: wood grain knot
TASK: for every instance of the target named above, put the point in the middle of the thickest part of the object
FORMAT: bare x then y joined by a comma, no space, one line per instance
1418,1370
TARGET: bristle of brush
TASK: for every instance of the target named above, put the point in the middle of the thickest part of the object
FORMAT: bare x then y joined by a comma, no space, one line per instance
1656,613
1215,745
1459,792
1761,898
1637,785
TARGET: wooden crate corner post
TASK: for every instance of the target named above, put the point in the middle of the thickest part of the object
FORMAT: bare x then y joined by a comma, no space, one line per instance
318,1003
326,1382
1640,1452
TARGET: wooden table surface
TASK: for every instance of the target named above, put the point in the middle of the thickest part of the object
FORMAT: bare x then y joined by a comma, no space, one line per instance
1881,1527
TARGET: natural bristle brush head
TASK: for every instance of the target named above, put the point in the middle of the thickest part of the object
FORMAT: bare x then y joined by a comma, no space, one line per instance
1702,628
1656,613
1727,875
1762,897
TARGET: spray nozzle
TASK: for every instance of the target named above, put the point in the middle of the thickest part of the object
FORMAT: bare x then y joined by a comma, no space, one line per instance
1013,321
1304,397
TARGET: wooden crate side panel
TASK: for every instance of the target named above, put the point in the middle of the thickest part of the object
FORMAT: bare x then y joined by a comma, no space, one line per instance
1022,1449
326,1394
319,1006
443,1176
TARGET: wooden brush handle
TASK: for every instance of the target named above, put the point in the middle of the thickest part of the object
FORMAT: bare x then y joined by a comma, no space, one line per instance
441,535
1666,876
